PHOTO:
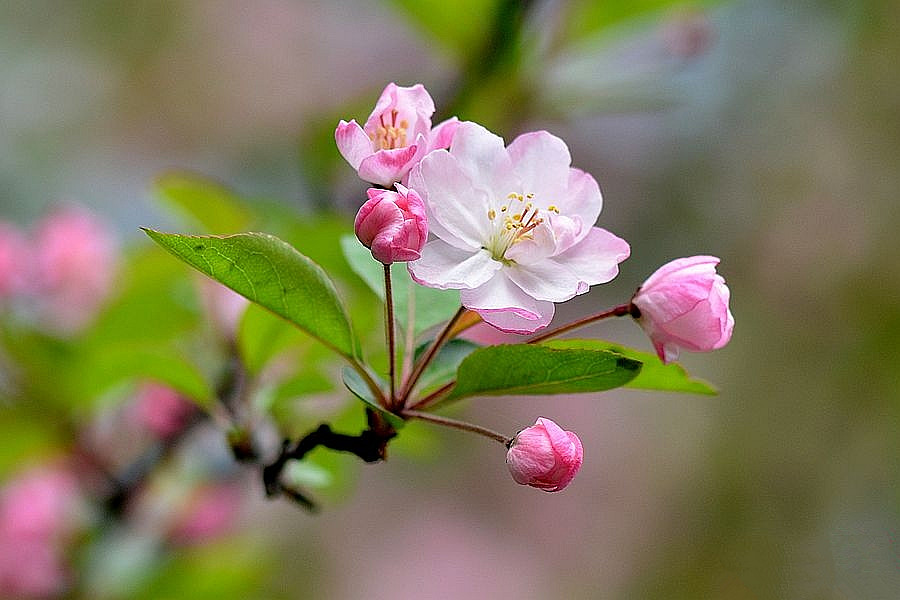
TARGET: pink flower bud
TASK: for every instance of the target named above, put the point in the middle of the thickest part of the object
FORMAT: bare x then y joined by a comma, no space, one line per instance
544,456
684,304
392,224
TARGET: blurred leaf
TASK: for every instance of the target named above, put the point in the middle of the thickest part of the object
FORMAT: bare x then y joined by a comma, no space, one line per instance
460,25
359,389
587,17
273,274
444,366
524,369
432,306
654,374
262,335
224,571
154,301
105,367
207,203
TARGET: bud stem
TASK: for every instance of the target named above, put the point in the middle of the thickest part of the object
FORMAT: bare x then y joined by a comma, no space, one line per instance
455,424
426,359
617,311
389,328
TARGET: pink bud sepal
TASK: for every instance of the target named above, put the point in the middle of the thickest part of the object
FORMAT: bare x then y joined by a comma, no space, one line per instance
544,456
392,224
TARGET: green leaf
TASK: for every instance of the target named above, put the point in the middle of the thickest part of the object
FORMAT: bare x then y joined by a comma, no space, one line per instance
358,388
653,376
273,274
207,203
524,369
432,306
444,366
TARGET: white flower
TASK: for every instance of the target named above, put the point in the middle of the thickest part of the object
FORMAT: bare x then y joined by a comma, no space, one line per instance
514,227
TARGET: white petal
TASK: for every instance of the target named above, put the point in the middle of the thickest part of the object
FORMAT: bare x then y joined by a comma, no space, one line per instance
541,160
483,157
457,211
446,267
596,258
582,198
546,280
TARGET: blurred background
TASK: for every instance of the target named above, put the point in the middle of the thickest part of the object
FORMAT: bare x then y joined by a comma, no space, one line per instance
765,132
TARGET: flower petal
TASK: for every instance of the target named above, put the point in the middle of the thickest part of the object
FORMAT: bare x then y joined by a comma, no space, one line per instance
595,259
482,156
446,267
457,211
582,198
541,160
700,264
352,142
545,280
442,134
387,167
503,304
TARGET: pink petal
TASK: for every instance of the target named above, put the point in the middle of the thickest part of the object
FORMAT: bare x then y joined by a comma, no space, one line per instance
545,280
541,160
442,134
699,263
445,267
387,167
352,142
505,305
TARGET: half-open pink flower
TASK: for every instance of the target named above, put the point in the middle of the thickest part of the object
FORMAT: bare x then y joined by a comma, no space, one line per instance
395,137
684,304
392,224
545,456
514,227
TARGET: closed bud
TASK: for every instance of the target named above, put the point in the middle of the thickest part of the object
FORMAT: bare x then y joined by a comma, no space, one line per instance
392,224
684,305
544,456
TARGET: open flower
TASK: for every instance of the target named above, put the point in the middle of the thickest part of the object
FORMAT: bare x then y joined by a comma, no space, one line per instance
395,137
514,227
392,224
545,456
684,304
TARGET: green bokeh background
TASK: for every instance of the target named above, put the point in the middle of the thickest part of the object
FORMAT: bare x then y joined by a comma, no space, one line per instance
773,142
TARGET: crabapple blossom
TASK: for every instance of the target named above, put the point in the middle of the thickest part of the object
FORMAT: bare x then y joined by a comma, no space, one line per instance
395,137
75,262
161,410
684,304
392,224
514,227
544,456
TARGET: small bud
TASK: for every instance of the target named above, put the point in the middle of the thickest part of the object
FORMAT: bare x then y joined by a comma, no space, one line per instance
392,224
544,456
684,304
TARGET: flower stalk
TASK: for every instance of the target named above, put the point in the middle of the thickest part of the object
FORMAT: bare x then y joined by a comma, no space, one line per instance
456,424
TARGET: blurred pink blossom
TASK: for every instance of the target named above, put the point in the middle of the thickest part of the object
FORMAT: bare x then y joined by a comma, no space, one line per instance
392,224
210,512
37,513
544,456
14,261
161,410
224,306
395,137
684,304
75,262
